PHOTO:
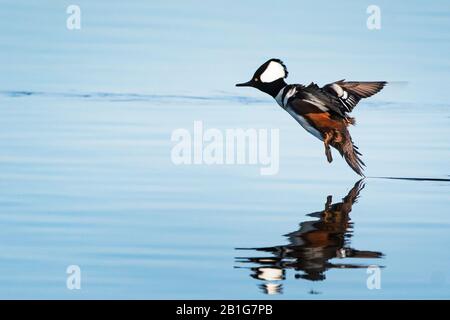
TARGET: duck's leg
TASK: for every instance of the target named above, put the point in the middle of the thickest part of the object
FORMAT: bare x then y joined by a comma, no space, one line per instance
326,141
328,203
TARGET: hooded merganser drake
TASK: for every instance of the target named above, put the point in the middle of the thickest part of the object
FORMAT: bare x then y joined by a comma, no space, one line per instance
323,112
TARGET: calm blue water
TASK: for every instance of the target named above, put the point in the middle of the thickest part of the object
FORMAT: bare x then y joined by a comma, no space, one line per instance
86,177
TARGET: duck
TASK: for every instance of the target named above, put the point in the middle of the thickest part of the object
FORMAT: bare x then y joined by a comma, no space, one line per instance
321,111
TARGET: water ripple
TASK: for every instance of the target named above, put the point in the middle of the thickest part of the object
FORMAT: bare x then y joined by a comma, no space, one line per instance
114,96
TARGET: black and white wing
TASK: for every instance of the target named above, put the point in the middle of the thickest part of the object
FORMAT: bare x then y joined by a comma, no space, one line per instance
349,93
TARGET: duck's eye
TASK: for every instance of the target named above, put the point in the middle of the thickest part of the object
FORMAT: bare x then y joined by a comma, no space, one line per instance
256,79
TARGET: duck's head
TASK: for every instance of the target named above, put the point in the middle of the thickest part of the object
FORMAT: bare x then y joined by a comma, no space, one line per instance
269,77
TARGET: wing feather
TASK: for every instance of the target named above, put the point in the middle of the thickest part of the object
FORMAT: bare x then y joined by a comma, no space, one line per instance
349,93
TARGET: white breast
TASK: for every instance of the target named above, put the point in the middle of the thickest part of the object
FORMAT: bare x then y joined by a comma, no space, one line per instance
304,123
279,98
283,102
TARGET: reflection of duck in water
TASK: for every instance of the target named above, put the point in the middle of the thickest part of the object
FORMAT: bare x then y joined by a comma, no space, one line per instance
312,246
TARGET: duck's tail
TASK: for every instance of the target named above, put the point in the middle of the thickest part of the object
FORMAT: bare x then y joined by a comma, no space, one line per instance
351,154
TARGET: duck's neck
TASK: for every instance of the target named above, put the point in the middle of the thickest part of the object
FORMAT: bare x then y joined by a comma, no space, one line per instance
275,87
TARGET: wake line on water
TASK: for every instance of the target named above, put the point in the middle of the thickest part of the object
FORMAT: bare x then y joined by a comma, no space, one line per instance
412,179
114,96
124,97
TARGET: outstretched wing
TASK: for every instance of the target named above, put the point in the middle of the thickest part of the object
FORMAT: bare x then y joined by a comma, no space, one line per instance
350,93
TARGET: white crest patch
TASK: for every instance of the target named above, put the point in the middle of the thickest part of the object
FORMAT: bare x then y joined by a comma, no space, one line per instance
273,72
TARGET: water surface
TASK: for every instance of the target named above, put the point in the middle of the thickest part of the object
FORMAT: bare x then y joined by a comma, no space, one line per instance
86,176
